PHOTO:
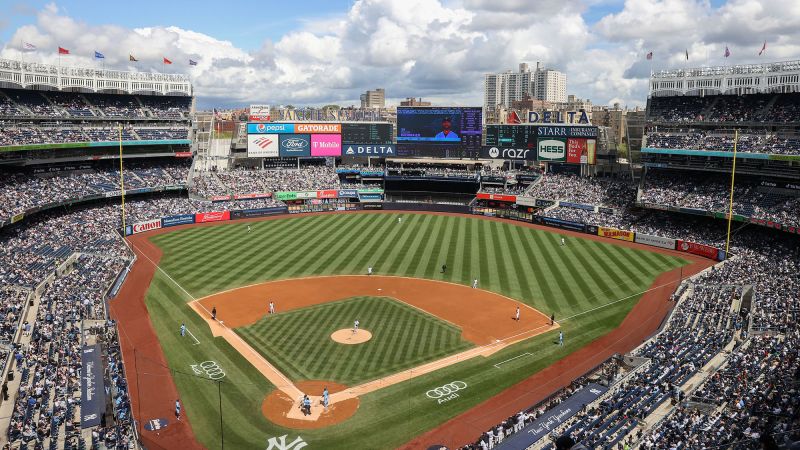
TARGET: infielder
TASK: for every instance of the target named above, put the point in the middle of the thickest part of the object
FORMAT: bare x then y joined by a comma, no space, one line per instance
517,315
475,283
272,307
369,270
183,329
355,326
214,313
178,409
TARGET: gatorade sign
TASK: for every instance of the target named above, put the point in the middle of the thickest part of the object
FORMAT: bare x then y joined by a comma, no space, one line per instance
552,149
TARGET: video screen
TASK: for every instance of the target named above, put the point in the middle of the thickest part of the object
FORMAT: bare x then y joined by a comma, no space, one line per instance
439,131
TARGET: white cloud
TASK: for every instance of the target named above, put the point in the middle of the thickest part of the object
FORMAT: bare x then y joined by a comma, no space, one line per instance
438,49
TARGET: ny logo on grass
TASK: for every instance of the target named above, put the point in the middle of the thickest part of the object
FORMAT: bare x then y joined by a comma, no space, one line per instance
279,443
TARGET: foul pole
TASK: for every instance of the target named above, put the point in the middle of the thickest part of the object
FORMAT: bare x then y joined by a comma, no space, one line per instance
730,203
121,179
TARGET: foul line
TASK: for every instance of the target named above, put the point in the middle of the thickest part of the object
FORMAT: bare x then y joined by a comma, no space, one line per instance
511,359
196,341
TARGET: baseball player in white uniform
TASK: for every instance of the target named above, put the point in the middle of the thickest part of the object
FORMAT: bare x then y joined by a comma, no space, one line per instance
369,270
355,326
475,283
517,315
563,242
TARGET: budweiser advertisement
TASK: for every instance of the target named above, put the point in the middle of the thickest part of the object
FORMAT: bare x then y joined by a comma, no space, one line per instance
698,249
215,216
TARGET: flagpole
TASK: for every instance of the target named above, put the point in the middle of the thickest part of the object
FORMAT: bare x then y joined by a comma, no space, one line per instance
121,178
730,203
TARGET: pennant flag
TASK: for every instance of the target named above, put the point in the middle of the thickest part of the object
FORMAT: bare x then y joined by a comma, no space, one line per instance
98,55
28,46
763,48
131,58
687,54
650,56
63,51
192,62
727,52
166,61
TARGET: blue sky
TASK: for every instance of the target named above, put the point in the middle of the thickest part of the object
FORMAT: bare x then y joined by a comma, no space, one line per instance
277,52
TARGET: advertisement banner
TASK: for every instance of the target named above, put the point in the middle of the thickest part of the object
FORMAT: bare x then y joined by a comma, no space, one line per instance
565,224
141,227
294,145
214,216
369,150
252,196
17,217
258,212
513,154
366,197
93,393
183,154
655,241
258,113
576,206
591,151
329,193
286,195
347,193
526,201
326,145
262,145
541,203
552,149
497,197
613,233
552,418
697,249
270,128
220,198
319,128
566,131
576,148
172,221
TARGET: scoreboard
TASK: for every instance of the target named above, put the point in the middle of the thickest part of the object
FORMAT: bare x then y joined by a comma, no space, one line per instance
367,133
511,136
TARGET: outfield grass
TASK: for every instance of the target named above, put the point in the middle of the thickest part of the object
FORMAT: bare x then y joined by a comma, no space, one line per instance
298,342
522,263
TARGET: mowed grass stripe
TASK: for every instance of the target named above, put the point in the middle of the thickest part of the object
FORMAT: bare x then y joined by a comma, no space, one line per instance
337,242
416,245
556,269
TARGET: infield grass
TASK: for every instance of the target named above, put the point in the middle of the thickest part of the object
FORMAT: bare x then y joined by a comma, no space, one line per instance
589,285
298,342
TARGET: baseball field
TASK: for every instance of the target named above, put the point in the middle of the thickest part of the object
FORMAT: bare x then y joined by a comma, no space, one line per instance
427,325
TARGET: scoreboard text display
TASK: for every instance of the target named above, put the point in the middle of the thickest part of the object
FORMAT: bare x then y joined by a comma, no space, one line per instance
303,139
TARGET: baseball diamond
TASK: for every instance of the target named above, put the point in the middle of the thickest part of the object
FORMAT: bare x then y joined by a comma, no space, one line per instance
591,292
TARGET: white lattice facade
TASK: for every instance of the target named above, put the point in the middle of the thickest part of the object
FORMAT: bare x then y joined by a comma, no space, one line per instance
779,77
28,74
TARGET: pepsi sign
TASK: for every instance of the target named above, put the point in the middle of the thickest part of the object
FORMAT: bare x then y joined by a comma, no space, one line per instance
265,128
295,145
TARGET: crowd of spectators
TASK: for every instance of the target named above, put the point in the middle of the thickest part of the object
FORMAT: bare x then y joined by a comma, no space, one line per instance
26,134
590,191
712,193
752,142
20,191
753,108
250,181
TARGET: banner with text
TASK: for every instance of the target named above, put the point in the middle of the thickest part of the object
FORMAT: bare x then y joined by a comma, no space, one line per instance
172,221
697,249
655,241
613,233
214,216
326,145
93,398
262,145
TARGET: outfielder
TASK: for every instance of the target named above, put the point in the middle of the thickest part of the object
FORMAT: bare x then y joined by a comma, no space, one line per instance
248,228
561,338
475,283
563,242
369,270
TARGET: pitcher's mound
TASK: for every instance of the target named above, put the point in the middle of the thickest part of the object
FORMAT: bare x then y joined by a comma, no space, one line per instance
346,336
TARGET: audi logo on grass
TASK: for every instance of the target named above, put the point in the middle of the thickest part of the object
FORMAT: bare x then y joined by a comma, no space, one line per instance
447,392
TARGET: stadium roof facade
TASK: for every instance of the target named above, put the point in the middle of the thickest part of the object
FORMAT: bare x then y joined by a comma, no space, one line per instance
32,75
733,80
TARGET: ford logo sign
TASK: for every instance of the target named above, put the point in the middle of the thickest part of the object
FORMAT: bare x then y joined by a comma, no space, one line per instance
295,144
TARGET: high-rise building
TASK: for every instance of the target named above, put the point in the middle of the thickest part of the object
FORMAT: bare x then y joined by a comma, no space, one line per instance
374,99
505,88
